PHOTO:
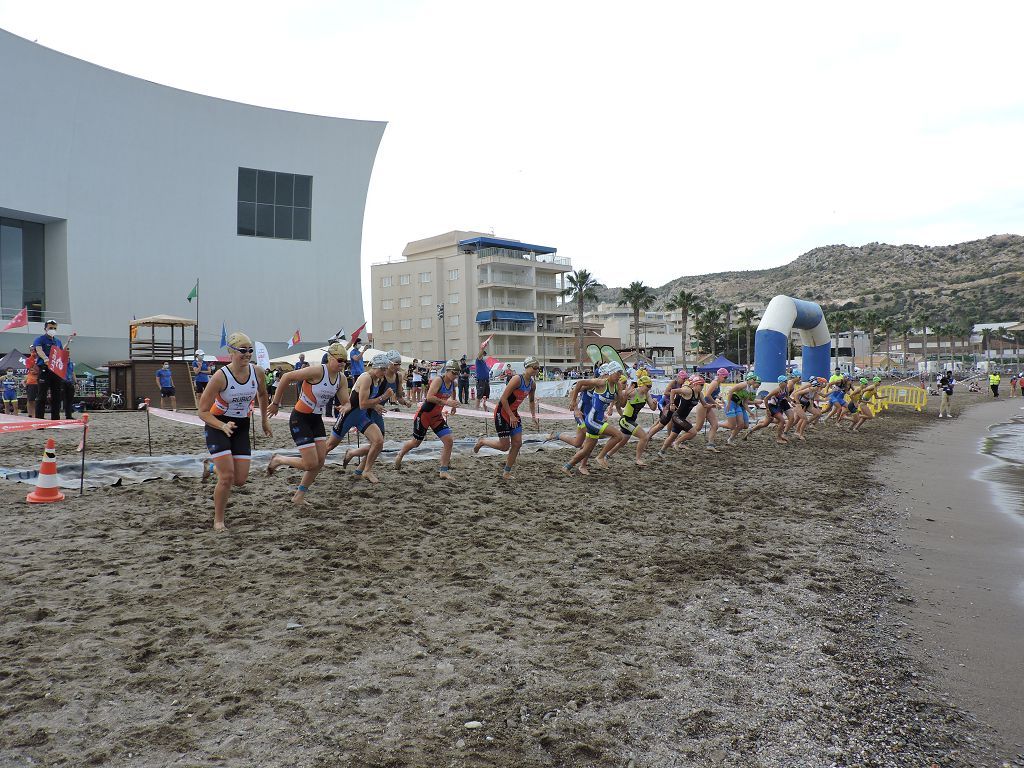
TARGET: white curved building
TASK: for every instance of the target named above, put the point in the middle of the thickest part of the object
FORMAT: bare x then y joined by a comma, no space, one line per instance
116,194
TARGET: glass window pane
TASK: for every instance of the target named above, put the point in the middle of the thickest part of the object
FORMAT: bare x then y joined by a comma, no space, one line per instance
33,239
301,228
304,191
11,277
264,221
285,182
283,222
265,187
247,219
247,185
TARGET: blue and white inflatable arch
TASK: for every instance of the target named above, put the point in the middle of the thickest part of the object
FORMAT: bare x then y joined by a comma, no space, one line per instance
771,342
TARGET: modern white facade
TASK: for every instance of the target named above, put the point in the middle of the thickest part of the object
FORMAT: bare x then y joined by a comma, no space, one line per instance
129,191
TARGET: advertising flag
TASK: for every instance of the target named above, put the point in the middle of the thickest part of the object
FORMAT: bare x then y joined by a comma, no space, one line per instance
295,339
20,320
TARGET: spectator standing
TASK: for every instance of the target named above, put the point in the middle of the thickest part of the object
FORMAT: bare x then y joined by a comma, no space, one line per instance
1014,383
946,385
301,363
10,392
483,380
31,384
993,382
165,381
49,382
463,381
201,371
355,357
271,382
69,390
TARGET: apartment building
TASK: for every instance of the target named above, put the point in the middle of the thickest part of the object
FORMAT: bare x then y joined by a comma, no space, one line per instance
487,286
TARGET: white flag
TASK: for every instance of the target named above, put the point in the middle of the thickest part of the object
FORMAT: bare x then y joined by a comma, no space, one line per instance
262,358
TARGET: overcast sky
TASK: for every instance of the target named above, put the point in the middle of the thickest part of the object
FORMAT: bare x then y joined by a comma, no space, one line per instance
643,140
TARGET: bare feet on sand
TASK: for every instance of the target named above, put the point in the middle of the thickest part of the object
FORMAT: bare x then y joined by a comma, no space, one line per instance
370,477
272,465
398,462
479,445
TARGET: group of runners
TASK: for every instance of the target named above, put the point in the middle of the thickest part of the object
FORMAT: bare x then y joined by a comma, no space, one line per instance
227,404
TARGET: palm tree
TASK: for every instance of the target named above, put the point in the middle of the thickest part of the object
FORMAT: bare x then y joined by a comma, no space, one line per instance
870,321
686,303
986,341
904,328
887,326
922,322
709,325
582,288
727,309
640,298
746,318
836,321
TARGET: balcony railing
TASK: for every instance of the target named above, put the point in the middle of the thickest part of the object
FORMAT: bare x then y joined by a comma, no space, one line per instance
511,255
506,326
505,278
485,302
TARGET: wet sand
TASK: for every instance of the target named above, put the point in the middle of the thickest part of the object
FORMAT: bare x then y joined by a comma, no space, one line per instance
963,558
733,609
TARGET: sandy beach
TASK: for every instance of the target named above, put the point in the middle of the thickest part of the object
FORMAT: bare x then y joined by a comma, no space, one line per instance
732,609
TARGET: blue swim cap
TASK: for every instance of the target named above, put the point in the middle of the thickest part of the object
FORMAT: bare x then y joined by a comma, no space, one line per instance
795,373
782,379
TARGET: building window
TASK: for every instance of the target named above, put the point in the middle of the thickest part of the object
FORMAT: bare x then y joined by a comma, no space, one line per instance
387,304
21,269
403,279
453,274
405,302
424,277
385,282
425,322
389,325
405,325
274,204
425,301
407,348
453,298
453,321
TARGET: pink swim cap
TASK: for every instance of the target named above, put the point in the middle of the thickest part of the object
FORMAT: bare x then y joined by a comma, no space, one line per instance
682,376
721,372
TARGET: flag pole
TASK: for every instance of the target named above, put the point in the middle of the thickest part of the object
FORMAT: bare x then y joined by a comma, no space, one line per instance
195,337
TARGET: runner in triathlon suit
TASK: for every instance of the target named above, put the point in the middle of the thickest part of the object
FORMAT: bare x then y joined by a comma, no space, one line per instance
318,386
577,436
368,396
772,402
604,392
737,416
637,396
392,381
507,422
224,407
707,410
867,393
684,399
441,393
664,405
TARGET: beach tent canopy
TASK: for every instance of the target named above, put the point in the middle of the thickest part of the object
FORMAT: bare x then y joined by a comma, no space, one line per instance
16,360
81,369
159,320
720,362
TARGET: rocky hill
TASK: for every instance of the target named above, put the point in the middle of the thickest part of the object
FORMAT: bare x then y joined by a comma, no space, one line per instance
978,281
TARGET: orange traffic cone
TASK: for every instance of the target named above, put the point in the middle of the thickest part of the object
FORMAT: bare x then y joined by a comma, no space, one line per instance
46,486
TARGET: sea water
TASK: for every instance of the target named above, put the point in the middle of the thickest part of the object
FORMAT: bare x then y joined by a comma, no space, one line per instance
1005,444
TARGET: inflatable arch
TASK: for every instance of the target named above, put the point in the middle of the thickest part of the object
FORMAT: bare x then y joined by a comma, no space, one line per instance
771,342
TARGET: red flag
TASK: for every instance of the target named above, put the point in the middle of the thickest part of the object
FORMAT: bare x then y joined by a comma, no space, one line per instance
20,320
58,362
295,339
355,334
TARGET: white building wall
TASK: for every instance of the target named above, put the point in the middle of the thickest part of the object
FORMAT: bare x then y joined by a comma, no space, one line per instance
138,185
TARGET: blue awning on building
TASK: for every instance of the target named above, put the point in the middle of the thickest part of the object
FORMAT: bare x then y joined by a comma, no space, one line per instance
515,245
487,315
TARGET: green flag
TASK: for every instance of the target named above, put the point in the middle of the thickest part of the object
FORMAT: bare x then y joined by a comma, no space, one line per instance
194,293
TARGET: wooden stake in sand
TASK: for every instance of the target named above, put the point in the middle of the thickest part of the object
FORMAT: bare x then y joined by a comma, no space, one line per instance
85,434
149,433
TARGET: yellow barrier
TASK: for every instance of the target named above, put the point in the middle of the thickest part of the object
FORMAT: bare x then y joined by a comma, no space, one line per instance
899,394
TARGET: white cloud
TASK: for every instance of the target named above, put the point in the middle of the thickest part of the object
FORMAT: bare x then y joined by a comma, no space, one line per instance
645,141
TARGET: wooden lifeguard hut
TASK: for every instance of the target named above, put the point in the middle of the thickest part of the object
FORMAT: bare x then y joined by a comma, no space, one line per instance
154,341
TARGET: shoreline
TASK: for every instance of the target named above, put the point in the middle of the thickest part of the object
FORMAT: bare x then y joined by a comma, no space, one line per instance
961,556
